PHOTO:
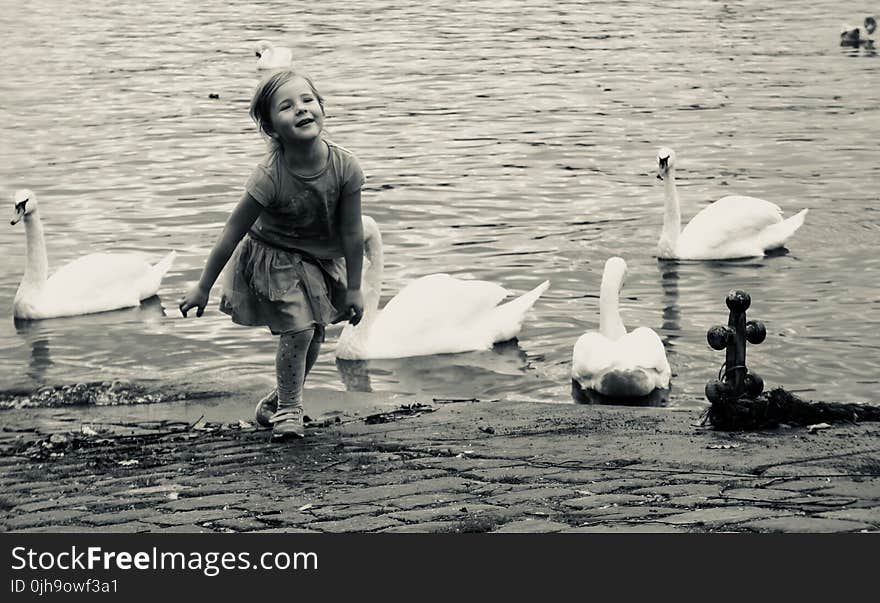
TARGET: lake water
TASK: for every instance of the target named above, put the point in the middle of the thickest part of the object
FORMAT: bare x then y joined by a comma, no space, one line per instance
507,141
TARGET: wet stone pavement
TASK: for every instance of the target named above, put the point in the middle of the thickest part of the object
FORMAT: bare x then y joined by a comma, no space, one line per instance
465,466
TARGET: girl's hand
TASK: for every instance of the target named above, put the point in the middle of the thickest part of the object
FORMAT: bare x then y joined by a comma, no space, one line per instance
196,298
354,301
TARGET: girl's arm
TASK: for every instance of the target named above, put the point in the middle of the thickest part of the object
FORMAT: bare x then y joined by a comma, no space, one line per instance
352,233
240,220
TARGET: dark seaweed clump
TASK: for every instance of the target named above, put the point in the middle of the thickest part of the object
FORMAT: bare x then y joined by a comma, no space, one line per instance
776,407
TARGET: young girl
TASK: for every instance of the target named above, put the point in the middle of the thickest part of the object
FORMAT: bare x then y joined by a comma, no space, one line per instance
300,217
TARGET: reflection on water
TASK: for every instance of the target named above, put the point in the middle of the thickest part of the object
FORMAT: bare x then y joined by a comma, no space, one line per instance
671,310
37,340
355,375
40,361
514,147
85,341
479,374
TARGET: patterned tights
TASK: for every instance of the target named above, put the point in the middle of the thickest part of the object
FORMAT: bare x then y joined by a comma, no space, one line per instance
296,355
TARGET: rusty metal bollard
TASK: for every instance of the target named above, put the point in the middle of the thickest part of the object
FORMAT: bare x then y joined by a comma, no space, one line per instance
735,379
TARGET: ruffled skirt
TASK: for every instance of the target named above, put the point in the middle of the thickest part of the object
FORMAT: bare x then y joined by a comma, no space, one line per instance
281,289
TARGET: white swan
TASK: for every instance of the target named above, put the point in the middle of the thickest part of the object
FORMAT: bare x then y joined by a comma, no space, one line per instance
93,283
270,56
731,227
612,361
435,314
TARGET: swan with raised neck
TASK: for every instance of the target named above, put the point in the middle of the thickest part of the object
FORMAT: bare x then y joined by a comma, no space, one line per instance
434,314
610,323
611,361
353,339
668,245
734,226
36,263
97,282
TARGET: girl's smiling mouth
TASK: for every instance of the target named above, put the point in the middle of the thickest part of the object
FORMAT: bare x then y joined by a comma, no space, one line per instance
304,122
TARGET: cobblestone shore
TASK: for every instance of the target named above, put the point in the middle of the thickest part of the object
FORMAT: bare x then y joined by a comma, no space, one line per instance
460,466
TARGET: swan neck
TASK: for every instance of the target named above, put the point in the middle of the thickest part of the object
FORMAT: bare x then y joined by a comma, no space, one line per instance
610,323
354,339
355,336
373,275
672,213
36,268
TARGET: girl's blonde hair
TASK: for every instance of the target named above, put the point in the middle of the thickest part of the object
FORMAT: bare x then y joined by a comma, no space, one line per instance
262,99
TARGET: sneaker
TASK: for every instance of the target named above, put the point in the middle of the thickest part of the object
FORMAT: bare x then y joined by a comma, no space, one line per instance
288,424
266,407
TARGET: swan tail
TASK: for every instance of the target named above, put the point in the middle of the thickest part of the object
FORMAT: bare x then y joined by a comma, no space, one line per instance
148,285
164,265
509,317
776,235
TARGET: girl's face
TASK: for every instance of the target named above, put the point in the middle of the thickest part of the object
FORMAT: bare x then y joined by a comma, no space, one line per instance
295,113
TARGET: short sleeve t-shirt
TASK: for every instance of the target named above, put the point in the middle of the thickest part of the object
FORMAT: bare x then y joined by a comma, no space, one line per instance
300,212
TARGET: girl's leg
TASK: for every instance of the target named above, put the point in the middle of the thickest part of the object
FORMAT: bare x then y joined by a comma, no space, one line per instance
314,348
290,372
269,404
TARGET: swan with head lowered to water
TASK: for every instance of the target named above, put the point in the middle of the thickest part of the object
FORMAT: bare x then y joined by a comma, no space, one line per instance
93,283
731,227
611,361
435,314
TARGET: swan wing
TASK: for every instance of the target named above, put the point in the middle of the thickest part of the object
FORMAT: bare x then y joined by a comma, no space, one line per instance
95,272
644,349
504,322
148,284
728,227
594,353
104,281
638,353
93,283
435,314
436,302
590,357
775,235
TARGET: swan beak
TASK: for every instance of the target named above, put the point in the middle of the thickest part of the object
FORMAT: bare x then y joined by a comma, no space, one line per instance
19,214
662,166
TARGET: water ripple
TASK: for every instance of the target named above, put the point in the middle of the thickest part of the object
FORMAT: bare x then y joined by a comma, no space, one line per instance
507,141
